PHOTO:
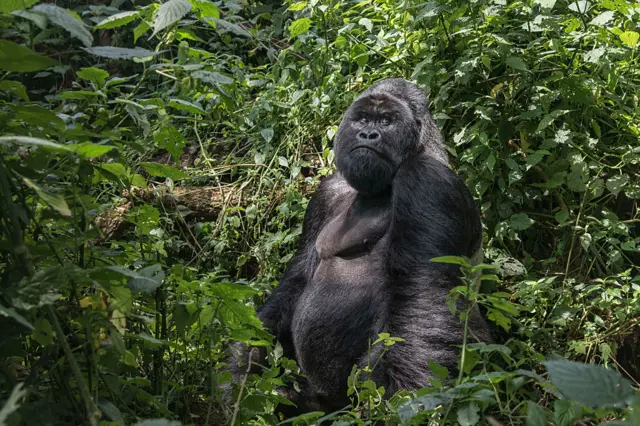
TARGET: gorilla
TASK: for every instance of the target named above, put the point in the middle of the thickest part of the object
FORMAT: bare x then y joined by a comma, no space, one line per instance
363,266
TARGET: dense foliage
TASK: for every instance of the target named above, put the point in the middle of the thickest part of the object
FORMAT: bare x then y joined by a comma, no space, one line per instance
156,160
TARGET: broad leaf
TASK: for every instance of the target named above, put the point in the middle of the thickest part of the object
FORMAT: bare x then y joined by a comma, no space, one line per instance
163,170
18,58
147,279
630,38
120,52
589,384
516,63
96,75
603,19
212,77
468,414
13,403
118,20
187,106
16,88
54,201
42,143
299,27
67,21
7,6
520,222
89,150
169,13
536,415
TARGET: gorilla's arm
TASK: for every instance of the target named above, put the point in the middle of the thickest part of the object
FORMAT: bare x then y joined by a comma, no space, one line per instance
433,215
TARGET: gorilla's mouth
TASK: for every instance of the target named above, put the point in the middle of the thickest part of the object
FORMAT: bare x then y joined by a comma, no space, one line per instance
369,148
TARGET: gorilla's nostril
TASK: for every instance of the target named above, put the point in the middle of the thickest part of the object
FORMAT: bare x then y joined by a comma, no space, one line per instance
362,135
374,135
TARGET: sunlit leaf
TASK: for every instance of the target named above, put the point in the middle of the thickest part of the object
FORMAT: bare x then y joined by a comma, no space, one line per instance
96,75
630,38
118,20
163,170
170,13
7,6
299,27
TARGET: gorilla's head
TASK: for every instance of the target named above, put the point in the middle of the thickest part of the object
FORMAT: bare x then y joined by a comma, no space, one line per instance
379,131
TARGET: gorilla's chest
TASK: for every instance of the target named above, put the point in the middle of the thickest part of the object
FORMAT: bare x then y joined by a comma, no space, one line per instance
345,301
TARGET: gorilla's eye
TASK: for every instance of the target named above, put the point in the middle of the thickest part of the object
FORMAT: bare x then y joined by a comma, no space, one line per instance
386,120
363,120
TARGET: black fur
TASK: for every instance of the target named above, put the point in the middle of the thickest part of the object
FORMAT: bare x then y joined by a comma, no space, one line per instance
363,264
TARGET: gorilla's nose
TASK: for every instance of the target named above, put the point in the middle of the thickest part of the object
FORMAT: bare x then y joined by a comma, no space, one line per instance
370,135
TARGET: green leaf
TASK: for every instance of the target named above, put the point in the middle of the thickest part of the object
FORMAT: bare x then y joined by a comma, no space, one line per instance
516,63
455,260
298,6
54,201
520,222
468,414
267,134
546,4
565,412
38,19
589,384
147,279
366,22
7,6
616,183
603,19
594,55
37,116
67,21
630,38
299,27
163,170
550,118
118,20
120,52
536,415
212,77
11,313
142,28
169,13
18,58
223,27
16,88
96,75
43,333
12,404
27,140
207,9
89,150
440,371
183,105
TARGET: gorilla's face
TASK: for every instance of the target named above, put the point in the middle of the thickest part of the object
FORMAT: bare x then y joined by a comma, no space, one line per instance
377,134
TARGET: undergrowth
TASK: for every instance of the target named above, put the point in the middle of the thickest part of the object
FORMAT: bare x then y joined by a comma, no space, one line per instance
157,158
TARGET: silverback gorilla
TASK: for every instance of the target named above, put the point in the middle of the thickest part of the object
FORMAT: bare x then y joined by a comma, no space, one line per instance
363,266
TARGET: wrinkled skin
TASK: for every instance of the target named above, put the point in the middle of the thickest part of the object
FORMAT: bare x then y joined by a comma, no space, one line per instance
363,266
